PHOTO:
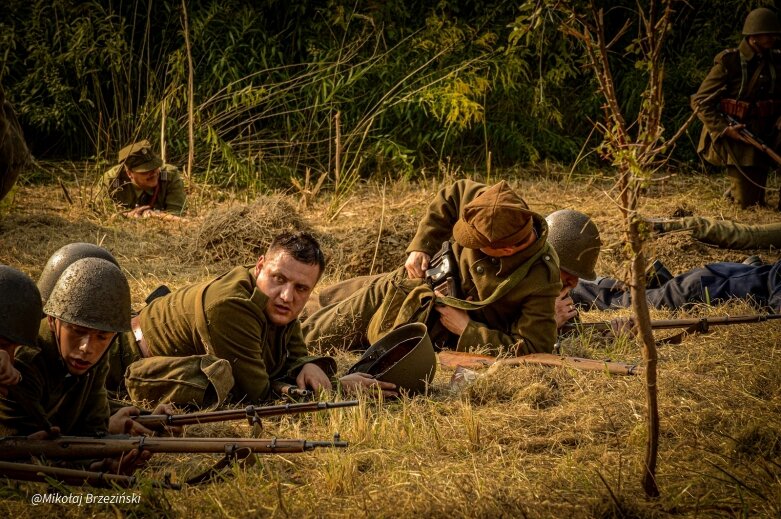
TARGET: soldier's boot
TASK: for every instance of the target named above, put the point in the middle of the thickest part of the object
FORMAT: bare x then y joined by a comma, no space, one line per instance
754,261
656,275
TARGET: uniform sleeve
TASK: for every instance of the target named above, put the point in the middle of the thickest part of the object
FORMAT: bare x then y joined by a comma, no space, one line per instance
95,414
21,410
237,336
442,214
109,187
175,196
705,102
533,332
298,355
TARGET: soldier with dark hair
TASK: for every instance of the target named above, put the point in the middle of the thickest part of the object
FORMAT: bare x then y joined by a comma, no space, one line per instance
233,335
745,84
143,185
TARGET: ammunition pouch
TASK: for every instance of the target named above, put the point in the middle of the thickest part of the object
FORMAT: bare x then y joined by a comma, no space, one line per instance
442,275
763,112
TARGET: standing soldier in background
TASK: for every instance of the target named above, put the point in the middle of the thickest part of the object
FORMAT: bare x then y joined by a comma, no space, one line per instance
14,155
143,185
745,84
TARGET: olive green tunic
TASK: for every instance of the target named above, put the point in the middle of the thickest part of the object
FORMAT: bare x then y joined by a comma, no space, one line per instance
225,317
78,405
171,197
521,321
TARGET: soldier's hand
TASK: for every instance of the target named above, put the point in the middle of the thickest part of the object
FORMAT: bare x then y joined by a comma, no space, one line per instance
51,434
417,264
454,319
138,212
733,132
353,382
311,376
168,409
9,376
623,326
564,309
122,422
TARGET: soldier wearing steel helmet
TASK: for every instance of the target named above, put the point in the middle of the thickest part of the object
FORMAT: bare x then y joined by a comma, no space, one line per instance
20,311
143,186
744,83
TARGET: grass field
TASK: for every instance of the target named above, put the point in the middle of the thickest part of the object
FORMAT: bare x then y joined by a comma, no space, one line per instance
523,442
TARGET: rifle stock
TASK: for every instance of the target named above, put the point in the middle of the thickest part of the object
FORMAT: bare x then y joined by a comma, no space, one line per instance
42,473
453,359
252,413
76,447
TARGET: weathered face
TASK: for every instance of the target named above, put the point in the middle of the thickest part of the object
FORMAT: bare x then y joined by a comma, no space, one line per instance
568,281
80,347
763,42
288,283
147,180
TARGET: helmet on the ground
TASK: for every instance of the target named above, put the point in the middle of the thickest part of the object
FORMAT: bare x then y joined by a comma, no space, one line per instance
20,307
761,21
65,257
93,293
575,238
405,357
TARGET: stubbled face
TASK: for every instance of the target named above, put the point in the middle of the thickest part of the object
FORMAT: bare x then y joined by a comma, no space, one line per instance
80,347
288,283
145,181
568,281
763,42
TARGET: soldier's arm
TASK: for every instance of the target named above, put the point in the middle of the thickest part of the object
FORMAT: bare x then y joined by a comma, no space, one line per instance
297,355
437,224
175,196
706,101
21,410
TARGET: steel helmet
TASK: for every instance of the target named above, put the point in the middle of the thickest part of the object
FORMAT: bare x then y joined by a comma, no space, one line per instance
20,307
65,257
761,21
575,238
405,357
93,293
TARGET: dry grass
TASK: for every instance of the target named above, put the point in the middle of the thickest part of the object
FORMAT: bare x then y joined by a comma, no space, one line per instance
525,442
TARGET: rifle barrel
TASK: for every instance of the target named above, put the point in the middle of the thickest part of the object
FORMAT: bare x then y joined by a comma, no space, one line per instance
75,447
41,473
158,421
666,324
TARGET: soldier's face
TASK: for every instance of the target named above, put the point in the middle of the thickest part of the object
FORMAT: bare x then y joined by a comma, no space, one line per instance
146,180
288,283
80,347
763,42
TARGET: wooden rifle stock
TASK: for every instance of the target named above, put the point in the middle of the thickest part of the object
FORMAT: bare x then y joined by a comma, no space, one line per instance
252,413
453,359
76,447
42,473
754,140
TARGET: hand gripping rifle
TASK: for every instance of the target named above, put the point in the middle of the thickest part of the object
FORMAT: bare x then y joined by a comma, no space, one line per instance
754,140
80,448
252,413
697,325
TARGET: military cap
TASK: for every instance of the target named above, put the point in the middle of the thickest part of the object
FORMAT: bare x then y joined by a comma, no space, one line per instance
20,307
495,218
139,157
405,357
64,257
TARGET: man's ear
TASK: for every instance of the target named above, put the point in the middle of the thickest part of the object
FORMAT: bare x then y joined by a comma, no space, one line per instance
259,266
51,319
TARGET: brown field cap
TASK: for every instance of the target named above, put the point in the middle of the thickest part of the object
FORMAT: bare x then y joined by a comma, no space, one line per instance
139,157
495,218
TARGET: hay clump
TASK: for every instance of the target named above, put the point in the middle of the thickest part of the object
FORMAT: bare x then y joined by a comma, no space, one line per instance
239,234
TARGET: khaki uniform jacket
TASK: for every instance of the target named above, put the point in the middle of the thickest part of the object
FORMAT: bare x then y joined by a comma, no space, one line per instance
78,405
525,315
727,80
171,197
225,317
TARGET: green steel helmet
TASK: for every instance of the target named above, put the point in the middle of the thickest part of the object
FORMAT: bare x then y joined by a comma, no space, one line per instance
761,21
575,238
93,293
65,257
20,307
405,357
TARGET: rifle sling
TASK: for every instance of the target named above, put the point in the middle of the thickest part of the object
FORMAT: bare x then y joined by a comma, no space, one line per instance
501,290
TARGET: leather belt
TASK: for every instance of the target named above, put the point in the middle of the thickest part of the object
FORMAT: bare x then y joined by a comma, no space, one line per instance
143,347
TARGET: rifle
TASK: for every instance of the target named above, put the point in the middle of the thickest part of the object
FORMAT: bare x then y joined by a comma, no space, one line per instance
442,274
43,473
289,390
454,359
754,140
112,446
252,413
696,325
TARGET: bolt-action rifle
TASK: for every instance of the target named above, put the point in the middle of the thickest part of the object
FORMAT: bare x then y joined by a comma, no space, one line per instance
44,473
754,140
696,325
454,359
251,413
